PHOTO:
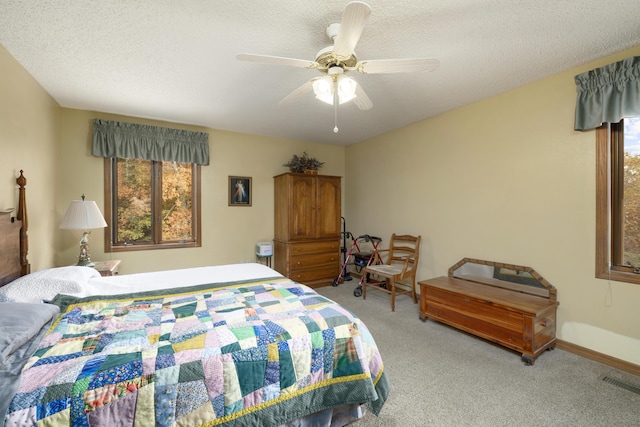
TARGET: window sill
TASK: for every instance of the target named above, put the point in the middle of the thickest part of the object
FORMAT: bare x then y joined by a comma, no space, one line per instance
619,276
146,247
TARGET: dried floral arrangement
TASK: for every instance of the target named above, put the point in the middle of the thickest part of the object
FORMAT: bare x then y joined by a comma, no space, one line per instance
303,163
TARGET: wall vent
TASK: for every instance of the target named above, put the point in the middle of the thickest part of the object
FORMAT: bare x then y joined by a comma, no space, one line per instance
622,384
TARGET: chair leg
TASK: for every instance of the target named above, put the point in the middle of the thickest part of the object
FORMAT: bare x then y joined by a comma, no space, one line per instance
364,286
393,295
413,290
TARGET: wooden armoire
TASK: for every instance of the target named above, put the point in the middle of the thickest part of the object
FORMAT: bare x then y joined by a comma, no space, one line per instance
307,227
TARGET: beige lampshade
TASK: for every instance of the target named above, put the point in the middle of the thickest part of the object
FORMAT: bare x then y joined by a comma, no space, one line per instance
83,215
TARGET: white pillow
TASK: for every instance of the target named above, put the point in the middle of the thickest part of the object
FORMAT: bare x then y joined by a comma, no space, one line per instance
46,284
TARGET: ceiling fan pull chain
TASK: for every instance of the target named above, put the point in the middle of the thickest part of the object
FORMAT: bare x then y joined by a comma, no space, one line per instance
335,107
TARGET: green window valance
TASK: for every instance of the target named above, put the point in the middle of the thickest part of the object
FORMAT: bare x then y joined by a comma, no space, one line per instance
133,141
608,94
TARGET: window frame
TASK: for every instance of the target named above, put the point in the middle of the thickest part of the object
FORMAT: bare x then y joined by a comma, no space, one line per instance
609,201
109,246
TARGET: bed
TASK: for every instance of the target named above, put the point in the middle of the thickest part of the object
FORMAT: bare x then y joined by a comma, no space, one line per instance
232,345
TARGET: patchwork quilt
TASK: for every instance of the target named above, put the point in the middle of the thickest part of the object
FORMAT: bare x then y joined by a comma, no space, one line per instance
253,353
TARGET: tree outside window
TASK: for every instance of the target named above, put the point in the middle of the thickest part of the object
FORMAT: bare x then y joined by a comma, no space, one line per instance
152,204
631,193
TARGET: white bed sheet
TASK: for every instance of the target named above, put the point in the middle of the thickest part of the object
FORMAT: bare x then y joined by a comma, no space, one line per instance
141,282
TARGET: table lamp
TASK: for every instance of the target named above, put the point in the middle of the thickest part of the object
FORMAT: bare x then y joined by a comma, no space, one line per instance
83,215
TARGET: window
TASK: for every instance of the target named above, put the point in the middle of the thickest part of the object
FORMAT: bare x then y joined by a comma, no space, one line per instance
151,204
618,201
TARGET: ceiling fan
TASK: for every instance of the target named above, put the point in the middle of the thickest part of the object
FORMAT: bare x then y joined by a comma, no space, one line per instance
335,61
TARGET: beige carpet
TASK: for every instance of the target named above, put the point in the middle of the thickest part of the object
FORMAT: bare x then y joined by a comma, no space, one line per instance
442,377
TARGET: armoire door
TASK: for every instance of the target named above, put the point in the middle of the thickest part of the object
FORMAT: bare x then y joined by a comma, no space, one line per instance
302,207
328,206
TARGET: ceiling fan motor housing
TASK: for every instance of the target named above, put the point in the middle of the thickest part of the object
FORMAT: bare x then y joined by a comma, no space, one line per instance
327,58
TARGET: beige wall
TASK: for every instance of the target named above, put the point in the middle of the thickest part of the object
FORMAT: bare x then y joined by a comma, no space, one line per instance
506,179
29,128
229,234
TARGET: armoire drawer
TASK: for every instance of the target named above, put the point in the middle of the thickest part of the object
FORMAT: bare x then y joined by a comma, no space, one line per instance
312,274
314,260
304,248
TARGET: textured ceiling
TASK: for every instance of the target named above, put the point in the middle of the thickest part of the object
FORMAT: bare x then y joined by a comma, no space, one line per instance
175,60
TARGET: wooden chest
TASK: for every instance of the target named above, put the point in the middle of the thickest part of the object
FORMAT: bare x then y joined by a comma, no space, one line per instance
491,309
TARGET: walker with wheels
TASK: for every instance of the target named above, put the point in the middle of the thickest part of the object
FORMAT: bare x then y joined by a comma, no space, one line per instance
360,259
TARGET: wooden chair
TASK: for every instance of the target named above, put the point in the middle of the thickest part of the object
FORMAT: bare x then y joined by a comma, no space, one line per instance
401,265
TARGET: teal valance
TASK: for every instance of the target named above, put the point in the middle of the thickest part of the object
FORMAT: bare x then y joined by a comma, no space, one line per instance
133,141
608,94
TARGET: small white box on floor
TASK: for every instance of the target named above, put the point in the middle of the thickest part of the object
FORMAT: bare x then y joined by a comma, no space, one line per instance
264,249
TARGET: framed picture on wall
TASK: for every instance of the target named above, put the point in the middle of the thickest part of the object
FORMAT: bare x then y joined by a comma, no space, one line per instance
240,191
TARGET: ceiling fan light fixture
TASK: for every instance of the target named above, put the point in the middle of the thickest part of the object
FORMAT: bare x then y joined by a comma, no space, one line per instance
324,89
346,88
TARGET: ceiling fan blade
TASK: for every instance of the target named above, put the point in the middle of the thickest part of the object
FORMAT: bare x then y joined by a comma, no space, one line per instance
298,93
355,17
361,100
277,60
378,66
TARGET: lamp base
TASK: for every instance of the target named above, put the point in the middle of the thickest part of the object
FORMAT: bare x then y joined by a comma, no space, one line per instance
84,260
85,263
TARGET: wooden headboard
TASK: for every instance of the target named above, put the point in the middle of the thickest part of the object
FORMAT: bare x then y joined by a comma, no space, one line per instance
14,241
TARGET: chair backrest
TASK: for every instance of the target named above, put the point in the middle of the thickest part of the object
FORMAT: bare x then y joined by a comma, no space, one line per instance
405,249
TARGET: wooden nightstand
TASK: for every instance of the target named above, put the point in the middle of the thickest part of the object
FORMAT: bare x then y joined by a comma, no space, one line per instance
266,258
107,268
